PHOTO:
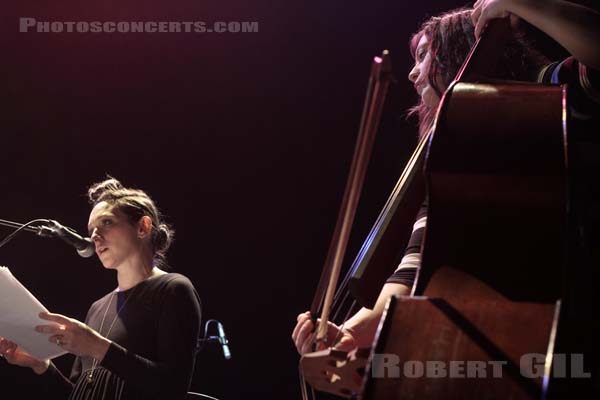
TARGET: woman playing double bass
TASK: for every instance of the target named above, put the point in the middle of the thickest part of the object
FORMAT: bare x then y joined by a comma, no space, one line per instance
439,49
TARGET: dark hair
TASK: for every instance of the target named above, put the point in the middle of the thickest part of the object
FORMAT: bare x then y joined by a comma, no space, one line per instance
135,204
451,37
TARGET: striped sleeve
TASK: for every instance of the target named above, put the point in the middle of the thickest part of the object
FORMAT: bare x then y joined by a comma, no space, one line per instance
407,269
583,83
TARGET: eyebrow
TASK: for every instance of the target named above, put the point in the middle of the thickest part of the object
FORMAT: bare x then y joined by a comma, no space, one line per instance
103,215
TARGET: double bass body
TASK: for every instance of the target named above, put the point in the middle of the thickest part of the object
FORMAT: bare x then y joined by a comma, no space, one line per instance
494,256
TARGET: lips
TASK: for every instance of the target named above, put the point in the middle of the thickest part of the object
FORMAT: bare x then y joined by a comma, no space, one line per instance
419,88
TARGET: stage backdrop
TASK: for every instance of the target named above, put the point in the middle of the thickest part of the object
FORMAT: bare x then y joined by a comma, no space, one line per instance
244,140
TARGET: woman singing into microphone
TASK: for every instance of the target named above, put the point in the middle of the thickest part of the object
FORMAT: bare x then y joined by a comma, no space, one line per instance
139,340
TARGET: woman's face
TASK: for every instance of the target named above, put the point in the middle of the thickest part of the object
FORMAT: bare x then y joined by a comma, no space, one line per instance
419,72
117,241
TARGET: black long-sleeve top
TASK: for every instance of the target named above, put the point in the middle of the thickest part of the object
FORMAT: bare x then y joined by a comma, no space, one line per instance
154,337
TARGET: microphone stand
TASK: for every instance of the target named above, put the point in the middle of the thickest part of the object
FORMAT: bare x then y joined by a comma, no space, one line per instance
48,229
40,230
221,339
26,227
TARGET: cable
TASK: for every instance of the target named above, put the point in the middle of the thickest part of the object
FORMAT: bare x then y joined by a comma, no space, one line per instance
23,227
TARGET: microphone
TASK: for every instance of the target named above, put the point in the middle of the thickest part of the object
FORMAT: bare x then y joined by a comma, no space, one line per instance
220,339
224,342
84,246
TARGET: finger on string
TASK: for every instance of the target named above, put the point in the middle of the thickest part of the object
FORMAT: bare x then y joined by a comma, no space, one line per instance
335,333
345,343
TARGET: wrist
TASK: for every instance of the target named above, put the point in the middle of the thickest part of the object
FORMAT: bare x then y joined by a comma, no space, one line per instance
41,366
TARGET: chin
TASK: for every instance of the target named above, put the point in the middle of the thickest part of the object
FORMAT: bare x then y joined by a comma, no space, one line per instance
430,98
108,265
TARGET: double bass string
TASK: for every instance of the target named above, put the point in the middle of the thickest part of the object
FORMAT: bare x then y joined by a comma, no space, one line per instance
342,293
413,163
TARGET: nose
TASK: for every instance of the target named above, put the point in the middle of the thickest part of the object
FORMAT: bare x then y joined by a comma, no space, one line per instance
413,75
95,236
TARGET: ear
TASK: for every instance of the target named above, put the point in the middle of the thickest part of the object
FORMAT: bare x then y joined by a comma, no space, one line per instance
144,226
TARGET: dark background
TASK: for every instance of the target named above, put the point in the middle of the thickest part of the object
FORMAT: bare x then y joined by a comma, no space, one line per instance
243,139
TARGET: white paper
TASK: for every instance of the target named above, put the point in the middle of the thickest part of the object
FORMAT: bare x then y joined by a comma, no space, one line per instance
19,311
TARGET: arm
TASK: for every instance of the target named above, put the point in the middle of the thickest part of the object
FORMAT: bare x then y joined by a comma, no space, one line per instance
51,377
168,375
575,27
358,331
15,355
363,325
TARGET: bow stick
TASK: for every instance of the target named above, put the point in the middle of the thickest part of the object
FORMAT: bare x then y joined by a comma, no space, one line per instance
376,90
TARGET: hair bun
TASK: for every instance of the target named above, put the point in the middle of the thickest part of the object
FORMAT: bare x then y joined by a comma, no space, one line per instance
96,191
164,238
135,204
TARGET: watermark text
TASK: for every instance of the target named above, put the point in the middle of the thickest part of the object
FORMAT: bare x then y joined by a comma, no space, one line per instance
531,365
27,25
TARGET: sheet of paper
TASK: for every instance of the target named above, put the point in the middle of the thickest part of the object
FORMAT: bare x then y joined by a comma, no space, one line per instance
19,311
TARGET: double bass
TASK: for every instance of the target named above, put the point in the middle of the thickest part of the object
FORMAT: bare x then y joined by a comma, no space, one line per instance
482,320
